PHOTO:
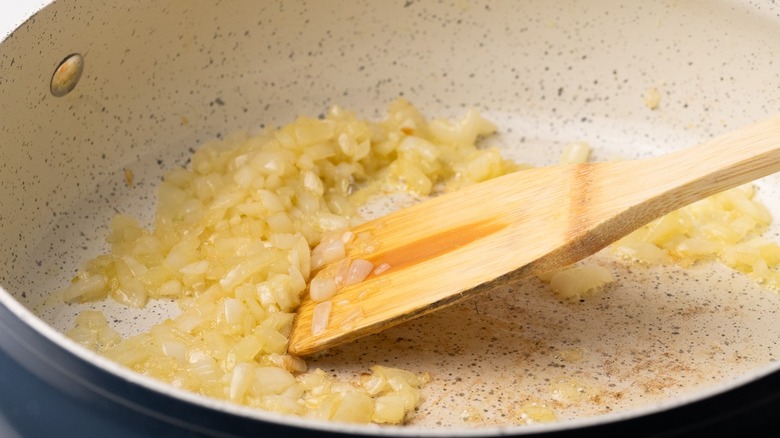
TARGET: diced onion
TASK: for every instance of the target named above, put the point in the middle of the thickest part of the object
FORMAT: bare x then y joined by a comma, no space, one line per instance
579,280
330,252
195,268
86,288
342,272
358,271
322,289
382,268
320,317
577,152
243,375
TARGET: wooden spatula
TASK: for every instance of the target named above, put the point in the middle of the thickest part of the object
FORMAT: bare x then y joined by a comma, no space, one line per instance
528,222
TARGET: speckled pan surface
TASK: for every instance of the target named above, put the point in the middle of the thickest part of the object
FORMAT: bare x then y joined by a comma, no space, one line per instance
162,78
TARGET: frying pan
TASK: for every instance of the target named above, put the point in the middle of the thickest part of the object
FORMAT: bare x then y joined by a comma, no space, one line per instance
668,350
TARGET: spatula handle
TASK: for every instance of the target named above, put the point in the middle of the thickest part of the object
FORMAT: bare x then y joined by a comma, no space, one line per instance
727,161
616,198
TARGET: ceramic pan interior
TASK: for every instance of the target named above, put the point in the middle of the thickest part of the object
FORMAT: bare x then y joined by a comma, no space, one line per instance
162,78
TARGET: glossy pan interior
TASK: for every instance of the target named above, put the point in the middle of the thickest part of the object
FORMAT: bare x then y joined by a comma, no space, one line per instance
162,78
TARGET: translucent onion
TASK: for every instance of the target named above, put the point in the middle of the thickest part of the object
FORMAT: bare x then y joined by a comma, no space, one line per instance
342,272
358,271
381,268
320,317
329,252
243,375
322,289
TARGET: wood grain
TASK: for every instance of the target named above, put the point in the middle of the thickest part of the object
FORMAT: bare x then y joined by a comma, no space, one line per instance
459,244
